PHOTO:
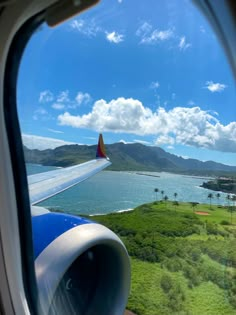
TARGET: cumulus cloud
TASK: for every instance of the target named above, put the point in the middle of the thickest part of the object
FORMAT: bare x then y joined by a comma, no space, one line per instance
120,115
149,36
180,125
165,139
183,45
42,143
215,87
46,96
114,37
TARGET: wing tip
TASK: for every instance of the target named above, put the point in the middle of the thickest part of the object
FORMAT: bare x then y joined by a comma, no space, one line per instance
101,151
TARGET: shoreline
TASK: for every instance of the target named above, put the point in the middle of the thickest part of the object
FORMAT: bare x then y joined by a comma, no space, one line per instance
117,211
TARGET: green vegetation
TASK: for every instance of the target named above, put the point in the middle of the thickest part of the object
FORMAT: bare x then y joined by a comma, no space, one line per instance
182,263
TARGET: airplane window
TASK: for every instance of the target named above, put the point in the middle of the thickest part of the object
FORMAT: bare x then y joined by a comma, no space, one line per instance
154,80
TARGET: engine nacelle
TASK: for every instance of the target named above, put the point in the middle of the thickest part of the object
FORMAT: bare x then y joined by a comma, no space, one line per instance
81,267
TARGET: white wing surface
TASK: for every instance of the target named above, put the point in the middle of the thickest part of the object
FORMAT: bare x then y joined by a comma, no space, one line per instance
45,185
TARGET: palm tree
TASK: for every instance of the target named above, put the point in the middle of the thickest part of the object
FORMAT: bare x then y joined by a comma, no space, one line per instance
228,197
210,196
156,191
166,198
218,197
162,192
175,195
194,204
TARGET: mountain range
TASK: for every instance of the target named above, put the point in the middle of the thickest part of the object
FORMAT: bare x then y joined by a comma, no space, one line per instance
128,157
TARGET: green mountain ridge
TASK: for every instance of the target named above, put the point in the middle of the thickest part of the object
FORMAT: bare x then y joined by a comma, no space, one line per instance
128,157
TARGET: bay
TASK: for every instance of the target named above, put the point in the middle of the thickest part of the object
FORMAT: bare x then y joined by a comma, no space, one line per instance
111,191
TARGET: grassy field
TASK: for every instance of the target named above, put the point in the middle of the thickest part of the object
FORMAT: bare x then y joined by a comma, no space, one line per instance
182,263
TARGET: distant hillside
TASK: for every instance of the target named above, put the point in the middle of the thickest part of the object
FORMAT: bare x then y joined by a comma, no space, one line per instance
132,157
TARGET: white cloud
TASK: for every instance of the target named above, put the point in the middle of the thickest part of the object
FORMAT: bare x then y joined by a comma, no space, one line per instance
123,141
87,28
91,138
183,45
83,98
150,36
157,36
58,106
63,101
118,115
46,96
180,125
165,139
42,143
114,37
77,25
90,28
144,29
55,131
215,87
154,85
63,96
142,141
40,113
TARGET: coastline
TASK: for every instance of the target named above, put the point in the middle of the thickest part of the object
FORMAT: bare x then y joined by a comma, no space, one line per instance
118,211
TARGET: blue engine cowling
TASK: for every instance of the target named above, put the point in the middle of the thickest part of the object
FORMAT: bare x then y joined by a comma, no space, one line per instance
81,267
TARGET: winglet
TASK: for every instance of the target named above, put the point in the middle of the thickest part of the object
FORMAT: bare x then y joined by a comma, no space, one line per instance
101,152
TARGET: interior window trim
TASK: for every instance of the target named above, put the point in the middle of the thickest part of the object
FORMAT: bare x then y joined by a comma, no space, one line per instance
15,53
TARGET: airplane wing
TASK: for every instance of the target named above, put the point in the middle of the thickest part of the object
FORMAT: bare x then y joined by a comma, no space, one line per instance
45,185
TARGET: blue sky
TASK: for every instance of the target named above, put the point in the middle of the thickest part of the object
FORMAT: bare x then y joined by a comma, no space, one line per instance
154,74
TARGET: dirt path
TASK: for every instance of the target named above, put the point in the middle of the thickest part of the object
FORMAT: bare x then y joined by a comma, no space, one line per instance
202,213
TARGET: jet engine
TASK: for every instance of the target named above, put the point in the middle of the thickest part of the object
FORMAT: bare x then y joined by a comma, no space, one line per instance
81,267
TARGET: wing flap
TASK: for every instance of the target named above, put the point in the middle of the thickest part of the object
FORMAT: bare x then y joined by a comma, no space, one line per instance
45,185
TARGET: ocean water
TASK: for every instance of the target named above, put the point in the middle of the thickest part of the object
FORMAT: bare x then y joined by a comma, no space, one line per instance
111,191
